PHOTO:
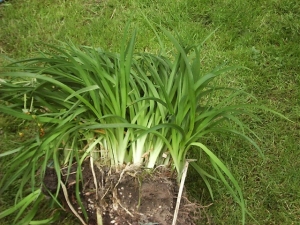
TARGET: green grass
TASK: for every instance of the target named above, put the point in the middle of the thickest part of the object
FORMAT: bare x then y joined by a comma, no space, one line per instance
262,35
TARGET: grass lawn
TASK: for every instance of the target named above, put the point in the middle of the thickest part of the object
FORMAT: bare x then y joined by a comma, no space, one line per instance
261,35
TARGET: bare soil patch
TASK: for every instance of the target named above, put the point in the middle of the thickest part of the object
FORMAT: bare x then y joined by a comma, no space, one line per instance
127,196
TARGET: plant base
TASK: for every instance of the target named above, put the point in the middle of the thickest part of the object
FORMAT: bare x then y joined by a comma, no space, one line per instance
128,196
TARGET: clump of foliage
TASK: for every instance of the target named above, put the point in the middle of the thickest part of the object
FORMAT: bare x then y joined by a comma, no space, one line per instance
117,108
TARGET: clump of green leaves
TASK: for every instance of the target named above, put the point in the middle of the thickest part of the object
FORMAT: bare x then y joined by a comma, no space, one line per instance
117,108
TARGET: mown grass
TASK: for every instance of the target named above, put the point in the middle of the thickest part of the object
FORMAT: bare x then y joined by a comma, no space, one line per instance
261,35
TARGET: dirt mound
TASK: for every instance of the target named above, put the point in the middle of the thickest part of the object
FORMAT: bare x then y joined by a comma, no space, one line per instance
128,196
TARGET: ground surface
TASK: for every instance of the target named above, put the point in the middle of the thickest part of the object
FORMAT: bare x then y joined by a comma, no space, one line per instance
261,35
129,196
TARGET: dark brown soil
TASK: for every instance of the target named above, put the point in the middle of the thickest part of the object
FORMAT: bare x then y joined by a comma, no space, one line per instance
128,196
